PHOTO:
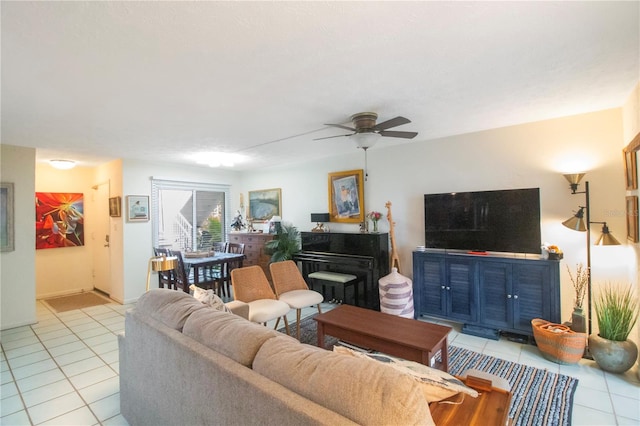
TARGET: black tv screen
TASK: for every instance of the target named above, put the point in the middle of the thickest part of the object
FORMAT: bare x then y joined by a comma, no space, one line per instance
502,221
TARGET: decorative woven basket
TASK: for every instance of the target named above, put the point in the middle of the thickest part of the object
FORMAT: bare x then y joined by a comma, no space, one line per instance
557,342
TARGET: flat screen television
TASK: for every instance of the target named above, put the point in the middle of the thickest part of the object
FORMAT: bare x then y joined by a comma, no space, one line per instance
500,221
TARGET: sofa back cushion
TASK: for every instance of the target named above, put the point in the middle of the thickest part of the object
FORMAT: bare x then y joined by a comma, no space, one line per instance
363,391
170,307
228,334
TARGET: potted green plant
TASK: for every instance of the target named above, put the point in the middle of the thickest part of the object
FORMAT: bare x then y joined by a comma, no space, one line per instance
617,312
285,244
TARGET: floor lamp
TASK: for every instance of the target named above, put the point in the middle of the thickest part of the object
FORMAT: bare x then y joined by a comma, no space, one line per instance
581,221
160,264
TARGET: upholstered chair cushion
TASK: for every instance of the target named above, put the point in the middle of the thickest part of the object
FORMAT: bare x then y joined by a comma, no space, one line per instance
264,310
298,299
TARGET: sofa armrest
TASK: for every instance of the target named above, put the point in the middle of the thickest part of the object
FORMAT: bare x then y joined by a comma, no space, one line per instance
239,308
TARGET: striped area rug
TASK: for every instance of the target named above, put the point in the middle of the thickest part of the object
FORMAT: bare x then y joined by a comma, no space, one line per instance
540,397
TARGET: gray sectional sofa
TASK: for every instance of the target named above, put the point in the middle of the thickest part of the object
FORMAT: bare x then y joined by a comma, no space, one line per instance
185,363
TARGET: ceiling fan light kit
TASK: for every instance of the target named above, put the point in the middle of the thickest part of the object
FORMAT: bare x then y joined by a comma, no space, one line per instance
366,132
366,140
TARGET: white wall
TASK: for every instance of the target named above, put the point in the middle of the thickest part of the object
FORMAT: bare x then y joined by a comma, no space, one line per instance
66,270
137,241
631,127
528,155
17,268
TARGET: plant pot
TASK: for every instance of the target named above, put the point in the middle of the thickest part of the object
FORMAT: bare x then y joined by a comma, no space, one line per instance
612,356
578,321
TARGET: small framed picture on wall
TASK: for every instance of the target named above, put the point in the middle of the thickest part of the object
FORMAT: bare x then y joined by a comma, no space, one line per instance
137,208
632,218
115,206
631,169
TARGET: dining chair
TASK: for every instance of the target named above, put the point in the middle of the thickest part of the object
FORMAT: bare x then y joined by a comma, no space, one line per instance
291,288
216,272
225,284
250,285
165,278
183,277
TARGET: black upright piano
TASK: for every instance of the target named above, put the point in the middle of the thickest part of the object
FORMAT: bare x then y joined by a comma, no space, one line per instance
354,253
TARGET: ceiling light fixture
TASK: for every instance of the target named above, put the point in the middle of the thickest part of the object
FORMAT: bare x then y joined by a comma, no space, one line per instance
366,140
217,159
62,164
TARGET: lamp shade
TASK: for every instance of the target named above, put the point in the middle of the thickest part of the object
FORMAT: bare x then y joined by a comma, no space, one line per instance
574,178
320,217
576,222
163,263
606,238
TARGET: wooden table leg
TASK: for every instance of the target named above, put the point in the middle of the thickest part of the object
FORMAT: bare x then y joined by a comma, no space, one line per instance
320,335
444,354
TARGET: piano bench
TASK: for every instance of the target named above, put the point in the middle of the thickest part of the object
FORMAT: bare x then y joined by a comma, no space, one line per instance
338,279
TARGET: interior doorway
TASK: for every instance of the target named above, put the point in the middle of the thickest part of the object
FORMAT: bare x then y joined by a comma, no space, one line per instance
101,239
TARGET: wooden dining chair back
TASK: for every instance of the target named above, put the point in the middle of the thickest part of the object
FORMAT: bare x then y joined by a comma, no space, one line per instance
219,247
237,248
216,273
291,288
182,275
165,278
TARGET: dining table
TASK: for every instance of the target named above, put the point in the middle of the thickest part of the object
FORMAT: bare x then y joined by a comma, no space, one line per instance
199,264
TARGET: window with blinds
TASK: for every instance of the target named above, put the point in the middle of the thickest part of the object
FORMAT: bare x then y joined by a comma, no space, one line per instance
187,215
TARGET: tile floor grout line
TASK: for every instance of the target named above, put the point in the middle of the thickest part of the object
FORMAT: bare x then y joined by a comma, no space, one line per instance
67,377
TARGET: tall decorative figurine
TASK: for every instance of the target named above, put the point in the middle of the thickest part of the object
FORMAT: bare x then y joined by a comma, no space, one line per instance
395,260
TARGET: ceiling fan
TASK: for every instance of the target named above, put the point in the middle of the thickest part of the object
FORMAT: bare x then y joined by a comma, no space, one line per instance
366,132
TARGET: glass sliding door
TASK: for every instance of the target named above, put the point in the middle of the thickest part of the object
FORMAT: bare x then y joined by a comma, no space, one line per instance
188,216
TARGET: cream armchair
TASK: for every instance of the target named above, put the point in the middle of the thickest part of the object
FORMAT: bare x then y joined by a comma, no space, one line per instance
250,285
291,288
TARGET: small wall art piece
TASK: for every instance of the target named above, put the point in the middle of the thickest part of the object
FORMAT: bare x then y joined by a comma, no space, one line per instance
630,169
265,203
346,196
632,219
6,217
59,219
137,208
115,206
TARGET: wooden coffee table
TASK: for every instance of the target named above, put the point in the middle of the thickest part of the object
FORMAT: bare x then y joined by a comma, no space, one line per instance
402,337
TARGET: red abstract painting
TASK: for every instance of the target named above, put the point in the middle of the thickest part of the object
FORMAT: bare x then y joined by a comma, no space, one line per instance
59,220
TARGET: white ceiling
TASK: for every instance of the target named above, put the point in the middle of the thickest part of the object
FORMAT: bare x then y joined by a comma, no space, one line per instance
163,81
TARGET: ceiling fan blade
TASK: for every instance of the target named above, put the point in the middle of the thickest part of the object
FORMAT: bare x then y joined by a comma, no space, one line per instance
329,137
398,121
396,134
341,126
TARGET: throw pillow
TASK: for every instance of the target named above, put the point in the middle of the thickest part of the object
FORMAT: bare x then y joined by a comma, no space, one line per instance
208,297
436,384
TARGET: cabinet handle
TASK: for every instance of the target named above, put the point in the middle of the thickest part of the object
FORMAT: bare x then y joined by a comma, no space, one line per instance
508,296
515,296
442,287
448,288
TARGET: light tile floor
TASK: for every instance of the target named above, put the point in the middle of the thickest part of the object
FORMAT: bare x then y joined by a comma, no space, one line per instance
64,371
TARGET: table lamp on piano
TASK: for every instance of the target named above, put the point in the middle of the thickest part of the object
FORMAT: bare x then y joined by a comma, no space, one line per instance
320,219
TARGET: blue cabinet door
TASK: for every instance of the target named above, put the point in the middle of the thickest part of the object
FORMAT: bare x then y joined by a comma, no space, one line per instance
460,288
496,294
429,292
